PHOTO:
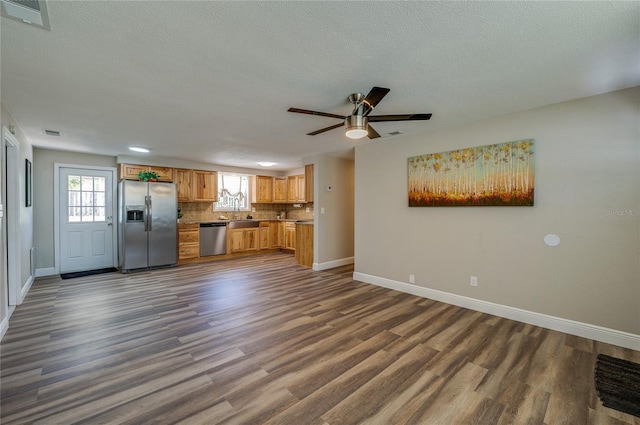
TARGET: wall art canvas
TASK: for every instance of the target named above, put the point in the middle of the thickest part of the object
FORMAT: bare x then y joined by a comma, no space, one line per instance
493,175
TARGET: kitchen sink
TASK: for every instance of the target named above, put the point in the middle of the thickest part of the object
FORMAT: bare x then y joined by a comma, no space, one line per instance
243,224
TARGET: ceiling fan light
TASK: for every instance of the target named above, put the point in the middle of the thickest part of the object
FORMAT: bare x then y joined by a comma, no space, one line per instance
356,126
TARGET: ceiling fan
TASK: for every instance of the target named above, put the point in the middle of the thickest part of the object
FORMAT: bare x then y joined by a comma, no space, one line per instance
357,124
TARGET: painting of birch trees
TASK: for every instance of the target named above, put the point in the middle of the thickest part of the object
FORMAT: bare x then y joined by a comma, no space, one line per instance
494,175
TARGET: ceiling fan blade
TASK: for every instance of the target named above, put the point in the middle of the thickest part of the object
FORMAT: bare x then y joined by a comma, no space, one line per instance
373,134
405,117
322,114
322,130
375,95
373,98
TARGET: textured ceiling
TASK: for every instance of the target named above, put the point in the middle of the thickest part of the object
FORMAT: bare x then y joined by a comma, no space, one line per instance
212,81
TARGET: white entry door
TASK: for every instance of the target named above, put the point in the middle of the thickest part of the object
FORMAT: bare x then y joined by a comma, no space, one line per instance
87,233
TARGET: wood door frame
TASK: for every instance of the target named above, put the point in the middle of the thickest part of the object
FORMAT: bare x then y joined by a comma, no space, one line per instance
12,260
56,208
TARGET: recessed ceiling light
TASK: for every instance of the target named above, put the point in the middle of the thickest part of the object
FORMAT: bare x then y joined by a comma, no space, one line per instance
135,149
266,164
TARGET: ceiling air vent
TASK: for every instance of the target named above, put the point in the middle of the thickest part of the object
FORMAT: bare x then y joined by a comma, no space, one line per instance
32,12
52,133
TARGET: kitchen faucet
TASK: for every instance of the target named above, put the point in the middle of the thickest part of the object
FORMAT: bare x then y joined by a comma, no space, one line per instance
236,208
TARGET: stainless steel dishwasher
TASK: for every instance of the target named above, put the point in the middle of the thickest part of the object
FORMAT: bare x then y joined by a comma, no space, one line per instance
213,239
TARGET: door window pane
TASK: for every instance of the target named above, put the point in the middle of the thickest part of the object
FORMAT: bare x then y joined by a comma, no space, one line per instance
87,199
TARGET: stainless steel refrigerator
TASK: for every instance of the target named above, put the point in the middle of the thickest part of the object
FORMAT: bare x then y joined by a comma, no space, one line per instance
147,225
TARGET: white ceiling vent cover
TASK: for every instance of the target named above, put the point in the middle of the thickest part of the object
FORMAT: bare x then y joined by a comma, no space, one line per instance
32,12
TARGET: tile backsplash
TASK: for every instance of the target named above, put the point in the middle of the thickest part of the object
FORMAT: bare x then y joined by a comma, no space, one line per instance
203,211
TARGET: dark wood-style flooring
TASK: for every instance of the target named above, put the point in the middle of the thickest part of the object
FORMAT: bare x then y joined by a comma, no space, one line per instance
260,340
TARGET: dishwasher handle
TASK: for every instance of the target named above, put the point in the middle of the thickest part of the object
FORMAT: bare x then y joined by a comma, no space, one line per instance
213,224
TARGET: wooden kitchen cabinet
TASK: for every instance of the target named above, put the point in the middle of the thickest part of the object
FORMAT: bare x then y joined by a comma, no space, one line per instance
276,229
205,186
290,236
131,171
188,241
308,182
184,182
242,240
304,244
280,189
296,188
265,235
263,189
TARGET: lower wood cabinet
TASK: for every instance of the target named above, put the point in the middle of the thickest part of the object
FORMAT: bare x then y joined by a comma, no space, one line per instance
290,236
188,241
304,244
265,235
276,229
242,240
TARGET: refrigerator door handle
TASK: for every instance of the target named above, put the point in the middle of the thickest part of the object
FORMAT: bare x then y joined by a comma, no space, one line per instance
150,215
147,213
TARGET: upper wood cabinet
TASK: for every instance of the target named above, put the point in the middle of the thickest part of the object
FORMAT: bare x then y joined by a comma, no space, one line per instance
308,182
131,171
283,189
280,189
205,185
263,192
296,188
184,182
292,188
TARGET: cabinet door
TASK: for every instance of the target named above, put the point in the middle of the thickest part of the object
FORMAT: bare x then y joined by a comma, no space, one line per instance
165,174
276,239
131,171
264,189
265,240
184,183
308,182
279,189
235,241
302,189
205,186
292,189
251,239
290,237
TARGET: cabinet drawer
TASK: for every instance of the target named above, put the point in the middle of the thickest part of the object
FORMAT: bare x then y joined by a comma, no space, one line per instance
186,237
188,251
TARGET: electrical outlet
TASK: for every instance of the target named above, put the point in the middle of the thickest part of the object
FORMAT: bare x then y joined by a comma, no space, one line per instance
474,281
412,278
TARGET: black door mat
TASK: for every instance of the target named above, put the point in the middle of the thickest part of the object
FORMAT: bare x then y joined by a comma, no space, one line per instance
618,384
88,273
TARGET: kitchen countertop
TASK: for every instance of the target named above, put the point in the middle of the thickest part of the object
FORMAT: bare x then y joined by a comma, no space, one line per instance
289,220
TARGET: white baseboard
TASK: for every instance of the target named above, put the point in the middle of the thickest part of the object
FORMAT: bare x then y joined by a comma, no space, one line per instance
49,271
585,330
25,289
4,325
333,263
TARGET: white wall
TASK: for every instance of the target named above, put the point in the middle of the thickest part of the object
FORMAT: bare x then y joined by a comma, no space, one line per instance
587,191
334,229
23,218
43,190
